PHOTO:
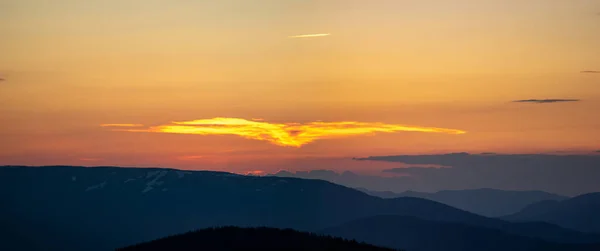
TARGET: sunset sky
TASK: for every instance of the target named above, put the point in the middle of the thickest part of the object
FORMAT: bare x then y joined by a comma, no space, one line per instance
71,68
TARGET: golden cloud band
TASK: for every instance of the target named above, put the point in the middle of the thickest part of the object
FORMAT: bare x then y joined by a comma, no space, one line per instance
288,134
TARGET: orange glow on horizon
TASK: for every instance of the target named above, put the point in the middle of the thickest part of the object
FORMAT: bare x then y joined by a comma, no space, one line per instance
256,173
90,159
190,157
121,125
288,134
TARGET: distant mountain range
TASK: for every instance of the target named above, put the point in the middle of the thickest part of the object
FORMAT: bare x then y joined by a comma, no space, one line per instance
235,239
102,208
581,213
486,202
555,173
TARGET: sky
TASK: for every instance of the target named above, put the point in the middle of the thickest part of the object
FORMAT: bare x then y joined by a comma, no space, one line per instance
126,82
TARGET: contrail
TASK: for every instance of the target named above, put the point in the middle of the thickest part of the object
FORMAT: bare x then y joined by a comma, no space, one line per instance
287,134
543,101
310,35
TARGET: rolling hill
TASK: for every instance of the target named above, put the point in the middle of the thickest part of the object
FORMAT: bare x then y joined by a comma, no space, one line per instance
579,213
235,238
486,202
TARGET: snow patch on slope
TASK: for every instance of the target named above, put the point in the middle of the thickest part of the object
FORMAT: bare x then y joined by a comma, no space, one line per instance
152,173
99,186
154,182
181,174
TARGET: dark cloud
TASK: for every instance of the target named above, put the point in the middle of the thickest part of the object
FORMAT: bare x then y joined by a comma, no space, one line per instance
590,71
561,174
545,101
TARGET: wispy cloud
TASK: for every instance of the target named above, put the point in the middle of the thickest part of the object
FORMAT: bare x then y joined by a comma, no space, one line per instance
287,134
590,72
121,125
544,101
310,35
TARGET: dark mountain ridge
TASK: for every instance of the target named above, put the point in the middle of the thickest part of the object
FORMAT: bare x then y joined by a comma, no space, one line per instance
416,234
67,208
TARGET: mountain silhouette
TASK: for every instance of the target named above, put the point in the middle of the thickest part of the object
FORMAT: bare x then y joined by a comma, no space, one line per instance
580,213
235,238
486,202
67,208
415,234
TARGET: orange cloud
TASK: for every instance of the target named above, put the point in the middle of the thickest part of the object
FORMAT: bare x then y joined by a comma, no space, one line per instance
288,134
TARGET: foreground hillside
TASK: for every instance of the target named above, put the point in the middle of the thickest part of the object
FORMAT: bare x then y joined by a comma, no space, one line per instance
67,208
234,238
415,234
580,213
